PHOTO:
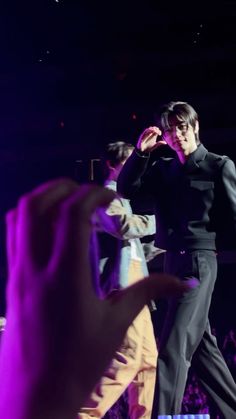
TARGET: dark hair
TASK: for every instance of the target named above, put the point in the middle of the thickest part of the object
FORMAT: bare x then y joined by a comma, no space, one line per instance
117,152
182,111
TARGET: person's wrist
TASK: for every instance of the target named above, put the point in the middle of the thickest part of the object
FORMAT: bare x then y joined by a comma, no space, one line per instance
140,153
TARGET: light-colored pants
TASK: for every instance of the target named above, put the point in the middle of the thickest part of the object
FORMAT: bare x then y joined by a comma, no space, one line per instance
133,367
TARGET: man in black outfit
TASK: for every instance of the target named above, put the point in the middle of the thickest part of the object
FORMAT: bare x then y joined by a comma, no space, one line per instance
189,192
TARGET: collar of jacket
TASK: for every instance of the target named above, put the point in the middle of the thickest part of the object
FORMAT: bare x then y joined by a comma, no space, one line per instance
192,163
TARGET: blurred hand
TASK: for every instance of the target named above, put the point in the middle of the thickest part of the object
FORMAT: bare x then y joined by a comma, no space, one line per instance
148,139
60,337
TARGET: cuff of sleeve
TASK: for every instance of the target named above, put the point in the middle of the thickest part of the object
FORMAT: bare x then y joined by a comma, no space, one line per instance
142,153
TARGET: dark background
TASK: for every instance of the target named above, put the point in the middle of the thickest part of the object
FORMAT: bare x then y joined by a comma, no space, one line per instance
75,75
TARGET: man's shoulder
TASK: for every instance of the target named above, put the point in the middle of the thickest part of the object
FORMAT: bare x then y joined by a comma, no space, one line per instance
216,157
118,201
216,160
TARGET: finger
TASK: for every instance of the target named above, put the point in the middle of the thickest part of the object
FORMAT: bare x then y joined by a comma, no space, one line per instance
156,130
40,199
11,221
123,306
150,135
72,250
153,131
76,213
145,133
37,211
131,300
159,144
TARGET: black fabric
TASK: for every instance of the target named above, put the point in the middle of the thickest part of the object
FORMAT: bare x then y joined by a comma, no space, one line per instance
192,202
187,335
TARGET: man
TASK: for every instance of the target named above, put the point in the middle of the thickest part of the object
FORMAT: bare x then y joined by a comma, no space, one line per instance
188,191
122,263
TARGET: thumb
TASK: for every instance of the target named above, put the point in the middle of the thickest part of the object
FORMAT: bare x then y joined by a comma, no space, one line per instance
130,301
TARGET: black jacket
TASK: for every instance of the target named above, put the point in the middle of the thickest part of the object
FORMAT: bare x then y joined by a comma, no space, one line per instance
195,202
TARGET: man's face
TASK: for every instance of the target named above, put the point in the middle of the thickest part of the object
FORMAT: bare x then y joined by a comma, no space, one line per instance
180,136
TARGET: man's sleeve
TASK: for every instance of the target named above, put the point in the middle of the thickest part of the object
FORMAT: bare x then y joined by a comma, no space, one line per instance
229,182
117,222
129,182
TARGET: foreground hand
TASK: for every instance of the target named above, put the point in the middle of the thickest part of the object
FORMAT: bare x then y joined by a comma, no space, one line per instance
148,140
60,336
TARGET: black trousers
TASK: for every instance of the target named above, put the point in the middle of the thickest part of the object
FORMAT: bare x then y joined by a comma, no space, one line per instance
187,339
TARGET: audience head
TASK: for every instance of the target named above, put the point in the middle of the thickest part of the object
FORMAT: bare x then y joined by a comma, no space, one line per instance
114,157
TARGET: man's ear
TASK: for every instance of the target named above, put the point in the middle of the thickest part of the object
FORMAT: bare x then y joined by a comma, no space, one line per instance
196,129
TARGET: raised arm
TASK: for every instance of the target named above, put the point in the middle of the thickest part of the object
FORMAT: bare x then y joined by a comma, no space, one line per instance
130,179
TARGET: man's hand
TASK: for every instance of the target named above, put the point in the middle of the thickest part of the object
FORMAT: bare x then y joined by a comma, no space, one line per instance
60,337
147,141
